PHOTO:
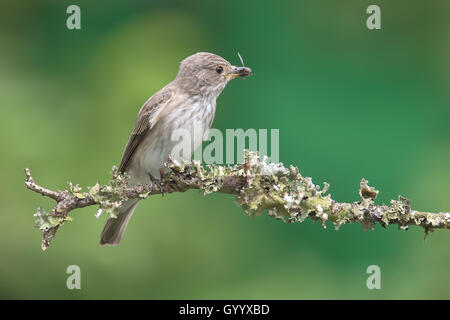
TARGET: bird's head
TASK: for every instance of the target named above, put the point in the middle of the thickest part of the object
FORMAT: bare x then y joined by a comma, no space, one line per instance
207,73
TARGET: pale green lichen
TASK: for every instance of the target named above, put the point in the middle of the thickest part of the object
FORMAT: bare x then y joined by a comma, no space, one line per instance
258,185
111,197
283,191
44,220
76,190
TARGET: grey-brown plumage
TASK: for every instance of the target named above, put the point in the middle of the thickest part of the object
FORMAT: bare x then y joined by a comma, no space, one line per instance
145,121
187,103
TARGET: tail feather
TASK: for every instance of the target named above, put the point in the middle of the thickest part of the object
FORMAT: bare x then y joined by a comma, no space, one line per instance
115,227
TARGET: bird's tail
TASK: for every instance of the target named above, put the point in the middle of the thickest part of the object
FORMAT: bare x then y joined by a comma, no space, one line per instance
115,227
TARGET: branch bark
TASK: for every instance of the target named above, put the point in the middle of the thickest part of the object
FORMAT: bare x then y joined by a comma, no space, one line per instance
258,186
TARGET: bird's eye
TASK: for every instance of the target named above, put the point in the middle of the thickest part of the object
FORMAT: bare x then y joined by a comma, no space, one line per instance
219,70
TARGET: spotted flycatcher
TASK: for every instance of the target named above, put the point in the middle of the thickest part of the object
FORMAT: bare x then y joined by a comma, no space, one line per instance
187,103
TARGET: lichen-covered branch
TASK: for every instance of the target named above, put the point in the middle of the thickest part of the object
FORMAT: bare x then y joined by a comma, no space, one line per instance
258,186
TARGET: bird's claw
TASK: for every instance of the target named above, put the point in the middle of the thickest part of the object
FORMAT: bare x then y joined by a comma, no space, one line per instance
156,182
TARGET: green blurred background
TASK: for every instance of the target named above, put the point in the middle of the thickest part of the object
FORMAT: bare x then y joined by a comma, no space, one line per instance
349,103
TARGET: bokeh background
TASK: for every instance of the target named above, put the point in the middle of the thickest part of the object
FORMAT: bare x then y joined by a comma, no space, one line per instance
349,103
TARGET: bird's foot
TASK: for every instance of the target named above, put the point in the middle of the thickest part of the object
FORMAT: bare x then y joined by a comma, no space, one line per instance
156,182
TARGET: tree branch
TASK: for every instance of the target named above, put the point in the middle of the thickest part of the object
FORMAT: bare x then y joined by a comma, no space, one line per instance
258,185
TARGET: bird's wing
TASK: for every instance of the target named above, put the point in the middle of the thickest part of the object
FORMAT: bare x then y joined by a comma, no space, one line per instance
147,118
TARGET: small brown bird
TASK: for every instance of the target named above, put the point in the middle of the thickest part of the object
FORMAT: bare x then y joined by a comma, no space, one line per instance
187,103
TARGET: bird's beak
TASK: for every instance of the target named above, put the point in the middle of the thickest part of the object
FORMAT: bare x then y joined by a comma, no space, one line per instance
237,72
